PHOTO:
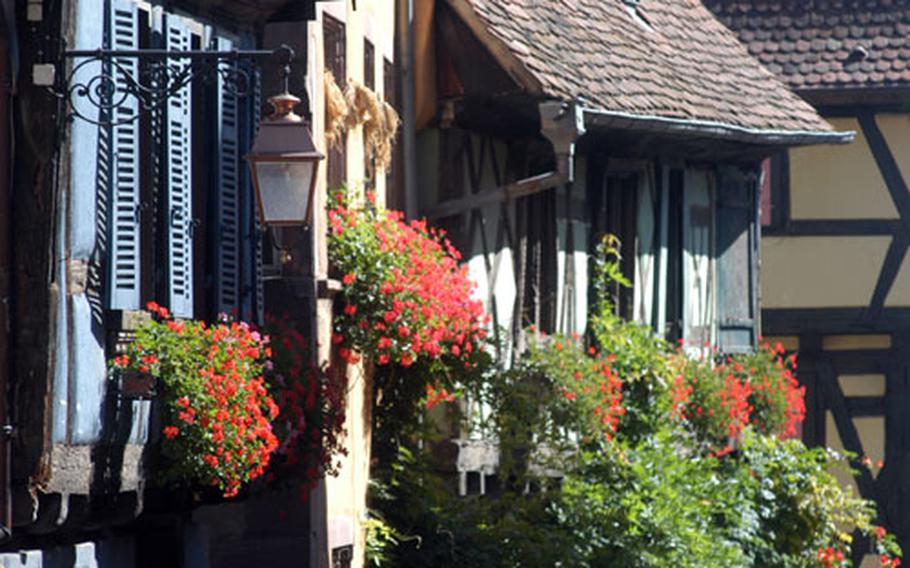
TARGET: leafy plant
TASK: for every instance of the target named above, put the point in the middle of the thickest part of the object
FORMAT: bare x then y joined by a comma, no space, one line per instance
797,512
720,399
404,296
643,456
217,408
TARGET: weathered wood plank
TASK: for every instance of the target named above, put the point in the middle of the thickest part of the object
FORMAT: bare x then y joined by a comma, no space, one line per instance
512,191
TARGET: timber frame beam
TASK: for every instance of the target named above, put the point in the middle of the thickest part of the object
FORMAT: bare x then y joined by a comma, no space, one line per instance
876,316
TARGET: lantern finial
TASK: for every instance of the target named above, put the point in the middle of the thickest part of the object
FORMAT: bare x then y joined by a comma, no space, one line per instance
283,108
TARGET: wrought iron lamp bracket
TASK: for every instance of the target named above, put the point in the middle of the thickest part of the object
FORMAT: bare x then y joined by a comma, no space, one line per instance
101,84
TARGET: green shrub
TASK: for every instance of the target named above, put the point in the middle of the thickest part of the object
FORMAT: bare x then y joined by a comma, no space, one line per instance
649,458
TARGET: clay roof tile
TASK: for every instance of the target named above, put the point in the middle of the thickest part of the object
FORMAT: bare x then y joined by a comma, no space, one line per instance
670,59
828,30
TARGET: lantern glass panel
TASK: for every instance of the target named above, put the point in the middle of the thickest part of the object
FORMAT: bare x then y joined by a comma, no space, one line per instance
285,190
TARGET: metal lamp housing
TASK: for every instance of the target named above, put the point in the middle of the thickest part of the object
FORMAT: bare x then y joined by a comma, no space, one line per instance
284,162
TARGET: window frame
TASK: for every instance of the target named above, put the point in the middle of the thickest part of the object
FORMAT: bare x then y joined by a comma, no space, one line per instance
334,37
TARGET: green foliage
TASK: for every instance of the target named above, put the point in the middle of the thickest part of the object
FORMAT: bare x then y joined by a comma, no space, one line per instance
636,354
637,475
793,504
648,505
435,528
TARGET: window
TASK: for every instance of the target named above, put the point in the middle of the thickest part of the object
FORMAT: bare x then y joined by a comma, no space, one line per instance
673,195
369,81
689,246
369,64
334,49
624,205
616,215
173,197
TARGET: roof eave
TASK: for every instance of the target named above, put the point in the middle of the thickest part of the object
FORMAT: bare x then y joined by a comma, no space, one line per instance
603,119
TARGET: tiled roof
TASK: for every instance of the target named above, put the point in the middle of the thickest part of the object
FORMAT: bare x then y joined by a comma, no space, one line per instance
815,44
675,61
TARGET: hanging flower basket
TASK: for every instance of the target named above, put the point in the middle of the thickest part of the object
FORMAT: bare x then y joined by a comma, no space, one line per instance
404,295
217,410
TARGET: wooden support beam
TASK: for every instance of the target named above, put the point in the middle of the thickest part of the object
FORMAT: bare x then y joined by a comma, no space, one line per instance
897,252
859,406
887,165
521,188
793,321
845,427
837,227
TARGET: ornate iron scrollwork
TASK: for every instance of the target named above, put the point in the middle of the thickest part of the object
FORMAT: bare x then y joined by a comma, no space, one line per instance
105,81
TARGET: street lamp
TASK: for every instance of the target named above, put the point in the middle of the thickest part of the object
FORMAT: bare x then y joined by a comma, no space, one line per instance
284,161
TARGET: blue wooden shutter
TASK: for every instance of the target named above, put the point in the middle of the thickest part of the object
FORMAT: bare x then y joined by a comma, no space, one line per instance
737,261
253,293
228,255
124,261
178,141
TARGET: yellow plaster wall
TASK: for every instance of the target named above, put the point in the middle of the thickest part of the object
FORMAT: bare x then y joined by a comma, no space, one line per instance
832,182
788,342
820,272
338,505
899,295
871,431
896,130
848,342
862,385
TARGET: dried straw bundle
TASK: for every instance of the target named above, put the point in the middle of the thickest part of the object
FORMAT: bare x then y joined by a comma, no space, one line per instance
387,130
336,110
361,104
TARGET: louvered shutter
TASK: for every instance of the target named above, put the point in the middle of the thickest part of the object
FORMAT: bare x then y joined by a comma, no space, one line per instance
178,143
737,261
124,261
252,292
227,260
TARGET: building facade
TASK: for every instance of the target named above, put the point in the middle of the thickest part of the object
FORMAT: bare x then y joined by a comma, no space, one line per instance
109,206
541,130
836,279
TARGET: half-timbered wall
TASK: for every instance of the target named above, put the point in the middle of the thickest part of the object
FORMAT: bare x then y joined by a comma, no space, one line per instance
836,287
528,256
684,230
127,233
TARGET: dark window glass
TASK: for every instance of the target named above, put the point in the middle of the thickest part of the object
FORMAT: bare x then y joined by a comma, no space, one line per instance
334,49
394,198
369,64
775,191
614,209
674,330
